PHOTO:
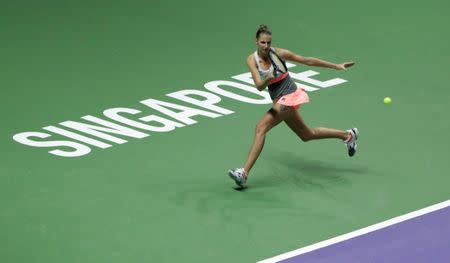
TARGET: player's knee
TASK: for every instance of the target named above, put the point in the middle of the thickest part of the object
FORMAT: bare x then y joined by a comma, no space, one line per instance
306,136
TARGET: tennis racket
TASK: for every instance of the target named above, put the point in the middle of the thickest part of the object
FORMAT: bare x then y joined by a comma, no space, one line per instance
278,64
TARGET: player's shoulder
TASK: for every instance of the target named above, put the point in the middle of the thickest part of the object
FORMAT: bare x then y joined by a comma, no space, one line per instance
278,49
250,57
283,53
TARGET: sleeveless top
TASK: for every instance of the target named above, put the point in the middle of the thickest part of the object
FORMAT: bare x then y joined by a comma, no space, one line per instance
279,88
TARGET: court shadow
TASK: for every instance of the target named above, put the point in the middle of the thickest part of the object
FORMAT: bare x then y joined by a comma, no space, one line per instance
289,168
240,188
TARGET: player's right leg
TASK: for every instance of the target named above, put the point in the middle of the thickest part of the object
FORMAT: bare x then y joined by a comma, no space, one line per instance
270,119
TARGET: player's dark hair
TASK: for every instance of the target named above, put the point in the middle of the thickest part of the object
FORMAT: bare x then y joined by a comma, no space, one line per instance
263,29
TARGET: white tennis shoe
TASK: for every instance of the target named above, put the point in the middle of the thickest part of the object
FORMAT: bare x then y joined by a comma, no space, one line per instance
351,142
238,175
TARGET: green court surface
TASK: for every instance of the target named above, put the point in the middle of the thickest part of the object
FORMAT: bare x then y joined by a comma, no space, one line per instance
166,197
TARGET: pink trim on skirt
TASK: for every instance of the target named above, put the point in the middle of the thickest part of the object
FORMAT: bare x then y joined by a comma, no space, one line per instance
294,99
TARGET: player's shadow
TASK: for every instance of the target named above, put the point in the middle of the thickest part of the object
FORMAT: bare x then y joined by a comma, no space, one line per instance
308,173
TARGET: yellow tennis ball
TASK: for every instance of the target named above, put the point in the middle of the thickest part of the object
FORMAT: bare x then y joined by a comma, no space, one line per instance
387,100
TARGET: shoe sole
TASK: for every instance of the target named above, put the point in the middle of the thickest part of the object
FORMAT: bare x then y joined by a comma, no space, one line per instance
351,152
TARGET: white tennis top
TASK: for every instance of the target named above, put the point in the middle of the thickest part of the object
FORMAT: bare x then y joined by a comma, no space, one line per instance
262,72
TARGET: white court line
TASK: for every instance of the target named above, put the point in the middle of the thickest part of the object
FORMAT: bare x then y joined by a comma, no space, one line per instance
356,233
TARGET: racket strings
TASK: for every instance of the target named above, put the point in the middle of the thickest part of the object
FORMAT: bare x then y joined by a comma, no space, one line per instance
277,63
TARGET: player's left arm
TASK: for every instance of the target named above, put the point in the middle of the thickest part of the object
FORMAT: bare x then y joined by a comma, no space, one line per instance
310,61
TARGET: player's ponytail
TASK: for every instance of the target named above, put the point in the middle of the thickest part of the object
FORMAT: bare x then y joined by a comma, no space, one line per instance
263,29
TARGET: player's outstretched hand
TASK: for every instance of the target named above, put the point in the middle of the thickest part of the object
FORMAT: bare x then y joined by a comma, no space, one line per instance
345,65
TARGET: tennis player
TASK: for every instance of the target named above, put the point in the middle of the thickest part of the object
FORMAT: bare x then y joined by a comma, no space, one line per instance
286,97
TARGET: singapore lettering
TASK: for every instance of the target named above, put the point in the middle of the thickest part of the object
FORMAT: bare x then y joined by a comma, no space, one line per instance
124,122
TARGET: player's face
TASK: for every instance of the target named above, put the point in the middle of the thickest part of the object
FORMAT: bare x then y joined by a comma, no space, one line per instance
264,43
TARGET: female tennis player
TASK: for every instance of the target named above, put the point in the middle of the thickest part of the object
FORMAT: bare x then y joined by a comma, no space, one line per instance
267,71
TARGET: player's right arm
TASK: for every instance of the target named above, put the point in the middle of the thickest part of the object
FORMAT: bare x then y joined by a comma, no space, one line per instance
259,83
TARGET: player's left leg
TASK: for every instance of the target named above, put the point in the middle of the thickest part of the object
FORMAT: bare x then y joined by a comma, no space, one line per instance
297,125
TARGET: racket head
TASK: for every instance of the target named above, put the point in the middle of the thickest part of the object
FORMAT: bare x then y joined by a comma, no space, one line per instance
277,62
